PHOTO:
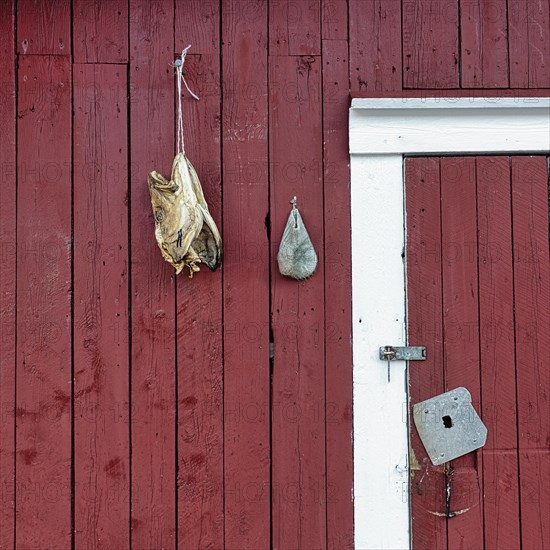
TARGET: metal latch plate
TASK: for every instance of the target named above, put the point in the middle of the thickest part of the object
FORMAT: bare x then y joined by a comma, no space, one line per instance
449,426
403,353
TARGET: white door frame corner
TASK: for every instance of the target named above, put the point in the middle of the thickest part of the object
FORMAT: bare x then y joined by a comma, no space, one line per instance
381,133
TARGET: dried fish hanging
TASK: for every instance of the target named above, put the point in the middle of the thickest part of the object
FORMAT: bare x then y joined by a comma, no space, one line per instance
296,257
185,231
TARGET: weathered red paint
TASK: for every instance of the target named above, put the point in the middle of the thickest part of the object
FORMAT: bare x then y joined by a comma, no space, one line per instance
199,462
246,276
298,380
294,27
431,56
8,277
101,396
497,359
197,23
44,27
199,301
425,326
334,21
532,339
529,43
100,31
375,65
461,343
43,393
484,44
495,281
338,405
153,340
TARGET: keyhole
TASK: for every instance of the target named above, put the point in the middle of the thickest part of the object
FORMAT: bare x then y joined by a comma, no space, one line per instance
447,422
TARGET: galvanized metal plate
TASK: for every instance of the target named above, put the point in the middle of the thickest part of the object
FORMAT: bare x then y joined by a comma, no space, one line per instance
449,426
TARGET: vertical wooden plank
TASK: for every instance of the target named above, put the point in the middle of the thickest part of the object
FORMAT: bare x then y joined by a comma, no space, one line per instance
294,27
538,14
501,498
375,45
197,23
425,327
246,277
430,44
497,366
298,381
484,44
461,337
535,498
518,31
8,271
153,367
532,326
334,19
101,393
529,30
44,27
100,31
199,301
338,351
43,401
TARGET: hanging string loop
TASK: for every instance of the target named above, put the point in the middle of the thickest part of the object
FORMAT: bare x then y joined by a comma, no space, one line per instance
180,75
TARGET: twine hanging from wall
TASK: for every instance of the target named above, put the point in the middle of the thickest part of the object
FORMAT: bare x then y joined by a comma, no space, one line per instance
179,63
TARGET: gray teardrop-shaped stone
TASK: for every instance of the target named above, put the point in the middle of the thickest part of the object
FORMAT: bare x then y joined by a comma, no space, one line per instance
296,257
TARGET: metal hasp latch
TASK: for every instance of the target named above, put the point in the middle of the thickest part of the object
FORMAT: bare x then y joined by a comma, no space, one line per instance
402,353
449,426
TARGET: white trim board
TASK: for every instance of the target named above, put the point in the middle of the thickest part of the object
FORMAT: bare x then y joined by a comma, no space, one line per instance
382,132
458,125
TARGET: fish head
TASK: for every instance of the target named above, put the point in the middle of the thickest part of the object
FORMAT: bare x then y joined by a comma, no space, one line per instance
164,195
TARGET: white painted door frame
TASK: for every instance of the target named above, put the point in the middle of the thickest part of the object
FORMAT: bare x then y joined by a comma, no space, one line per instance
382,132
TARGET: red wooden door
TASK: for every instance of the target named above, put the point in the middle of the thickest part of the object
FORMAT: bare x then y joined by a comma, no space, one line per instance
478,283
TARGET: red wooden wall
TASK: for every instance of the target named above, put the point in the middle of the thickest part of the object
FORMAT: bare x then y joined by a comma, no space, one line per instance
479,295
142,409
